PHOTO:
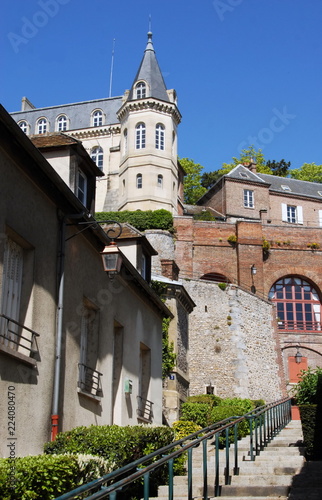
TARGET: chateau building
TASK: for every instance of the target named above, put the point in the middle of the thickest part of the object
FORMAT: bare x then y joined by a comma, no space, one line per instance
131,138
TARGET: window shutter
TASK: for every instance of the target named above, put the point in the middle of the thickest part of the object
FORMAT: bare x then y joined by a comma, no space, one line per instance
284,212
299,211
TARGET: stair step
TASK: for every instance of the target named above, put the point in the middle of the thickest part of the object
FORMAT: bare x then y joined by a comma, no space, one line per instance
255,491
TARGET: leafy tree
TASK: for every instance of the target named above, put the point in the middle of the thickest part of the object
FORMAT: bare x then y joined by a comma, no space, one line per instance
280,168
193,190
308,172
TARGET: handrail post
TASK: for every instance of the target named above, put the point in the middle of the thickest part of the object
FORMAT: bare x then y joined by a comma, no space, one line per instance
205,469
236,468
251,439
227,455
190,473
217,488
170,468
146,485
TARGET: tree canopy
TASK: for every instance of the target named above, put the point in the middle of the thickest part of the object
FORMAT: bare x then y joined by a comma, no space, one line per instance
193,190
308,172
280,168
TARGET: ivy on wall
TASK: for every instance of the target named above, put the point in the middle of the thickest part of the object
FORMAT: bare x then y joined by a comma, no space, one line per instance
141,220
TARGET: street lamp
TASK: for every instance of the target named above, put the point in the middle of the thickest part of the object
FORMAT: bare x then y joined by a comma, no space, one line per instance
298,356
112,259
253,270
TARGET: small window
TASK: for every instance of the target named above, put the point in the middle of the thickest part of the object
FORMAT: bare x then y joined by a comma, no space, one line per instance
125,142
139,181
160,180
285,188
81,187
243,174
24,126
320,193
159,136
62,123
97,118
248,198
140,90
97,156
42,126
140,136
123,186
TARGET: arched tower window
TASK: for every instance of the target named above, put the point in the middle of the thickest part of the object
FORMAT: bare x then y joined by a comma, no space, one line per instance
297,303
24,126
139,181
140,90
42,126
62,123
97,118
140,136
160,180
97,156
159,136
125,142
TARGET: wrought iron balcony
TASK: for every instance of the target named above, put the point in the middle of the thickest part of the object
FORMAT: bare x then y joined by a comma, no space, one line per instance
15,336
299,325
144,410
89,380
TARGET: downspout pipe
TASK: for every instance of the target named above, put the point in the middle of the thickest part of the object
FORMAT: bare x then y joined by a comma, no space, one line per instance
59,330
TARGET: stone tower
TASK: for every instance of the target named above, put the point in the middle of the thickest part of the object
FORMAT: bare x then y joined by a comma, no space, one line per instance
149,175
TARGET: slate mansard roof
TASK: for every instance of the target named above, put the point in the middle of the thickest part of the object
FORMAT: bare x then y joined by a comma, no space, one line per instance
79,114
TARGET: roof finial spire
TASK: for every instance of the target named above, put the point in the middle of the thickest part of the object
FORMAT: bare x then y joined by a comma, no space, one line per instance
150,22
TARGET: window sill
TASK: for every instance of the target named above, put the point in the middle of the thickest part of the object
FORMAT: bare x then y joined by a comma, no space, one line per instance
89,395
18,355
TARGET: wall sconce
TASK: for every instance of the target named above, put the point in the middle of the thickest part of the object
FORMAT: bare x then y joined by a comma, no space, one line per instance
298,356
112,259
253,270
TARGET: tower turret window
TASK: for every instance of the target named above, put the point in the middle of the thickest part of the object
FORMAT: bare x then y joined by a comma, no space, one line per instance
125,142
160,180
159,136
139,181
97,156
140,136
140,90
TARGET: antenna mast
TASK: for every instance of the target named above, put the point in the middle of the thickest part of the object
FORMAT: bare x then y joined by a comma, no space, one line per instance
112,64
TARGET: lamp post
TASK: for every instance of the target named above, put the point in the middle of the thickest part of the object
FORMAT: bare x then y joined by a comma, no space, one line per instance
253,270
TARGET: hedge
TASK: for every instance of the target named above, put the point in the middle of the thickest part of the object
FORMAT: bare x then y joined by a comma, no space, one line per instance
142,220
311,419
45,477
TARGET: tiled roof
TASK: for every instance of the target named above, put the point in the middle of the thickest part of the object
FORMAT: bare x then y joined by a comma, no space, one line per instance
52,140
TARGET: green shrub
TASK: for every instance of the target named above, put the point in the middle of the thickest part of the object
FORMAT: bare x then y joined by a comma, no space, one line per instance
224,411
142,220
199,413
184,428
222,286
244,405
204,215
309,388
311,419
45,477
209,399
258,402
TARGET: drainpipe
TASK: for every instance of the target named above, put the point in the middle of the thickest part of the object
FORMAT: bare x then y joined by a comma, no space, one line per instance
59,331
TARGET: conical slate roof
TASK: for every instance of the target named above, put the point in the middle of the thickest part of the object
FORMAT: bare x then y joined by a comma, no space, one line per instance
150,72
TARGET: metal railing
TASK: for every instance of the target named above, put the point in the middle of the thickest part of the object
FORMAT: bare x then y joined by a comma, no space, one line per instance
89,380
265,422
144,409
18,337
299,325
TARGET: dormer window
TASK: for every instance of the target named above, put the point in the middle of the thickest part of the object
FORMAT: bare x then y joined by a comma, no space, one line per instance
140,90
42,126
285,188
97,118
62,123
24,126
243,174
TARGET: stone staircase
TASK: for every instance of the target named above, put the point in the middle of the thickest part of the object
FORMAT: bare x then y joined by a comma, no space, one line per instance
279,472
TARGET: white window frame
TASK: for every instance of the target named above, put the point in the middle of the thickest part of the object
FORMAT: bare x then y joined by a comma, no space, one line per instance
292,214
81,192
62,123
159,136
140,90
24,125
249,201
97,156
97,118
140,136
42,126
139,181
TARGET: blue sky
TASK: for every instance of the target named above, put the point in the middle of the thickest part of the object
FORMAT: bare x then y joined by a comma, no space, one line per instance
246,71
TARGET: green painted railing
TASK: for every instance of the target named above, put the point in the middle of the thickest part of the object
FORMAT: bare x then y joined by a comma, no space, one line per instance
265,422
